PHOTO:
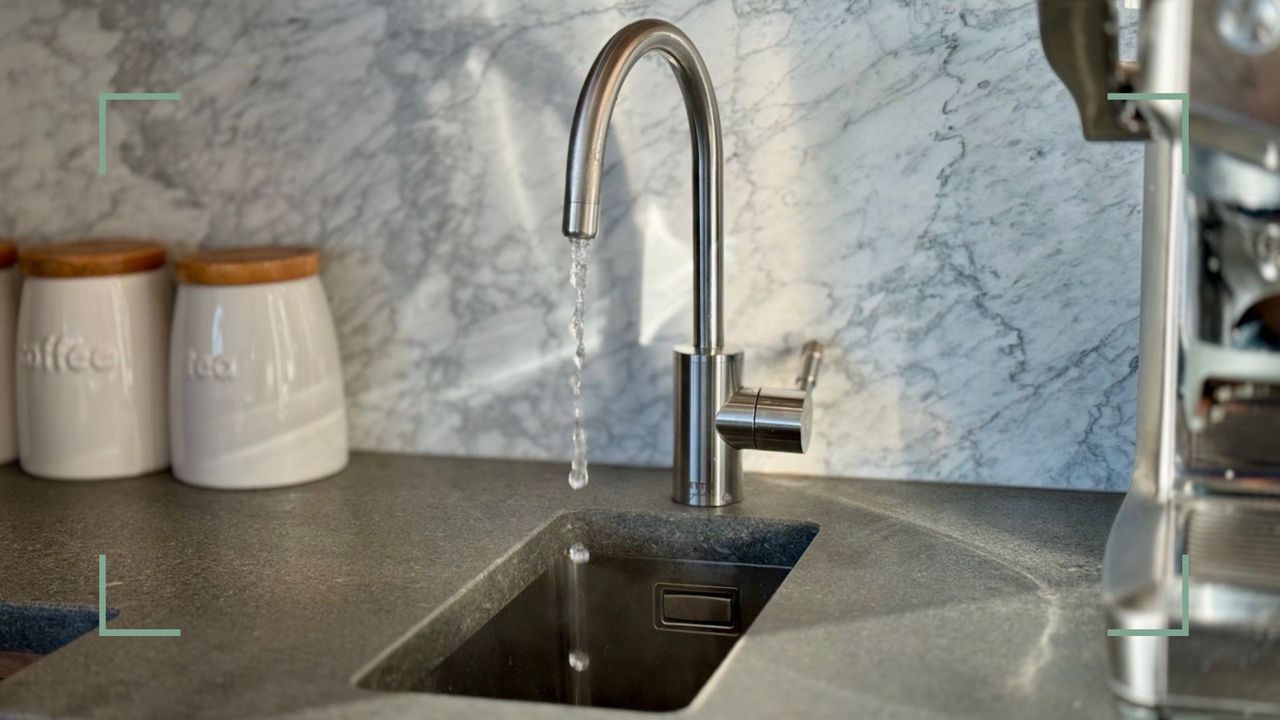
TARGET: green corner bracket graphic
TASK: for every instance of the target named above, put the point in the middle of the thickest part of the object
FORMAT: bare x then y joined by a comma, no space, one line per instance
1186,114
105,631
1185,630
103,99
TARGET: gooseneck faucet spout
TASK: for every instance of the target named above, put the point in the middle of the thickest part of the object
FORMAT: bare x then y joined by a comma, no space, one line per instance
586,156
715,417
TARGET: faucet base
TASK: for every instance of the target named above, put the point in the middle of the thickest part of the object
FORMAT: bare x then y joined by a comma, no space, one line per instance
706,471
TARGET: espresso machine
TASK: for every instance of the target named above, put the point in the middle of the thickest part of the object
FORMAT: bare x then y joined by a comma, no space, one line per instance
1191,578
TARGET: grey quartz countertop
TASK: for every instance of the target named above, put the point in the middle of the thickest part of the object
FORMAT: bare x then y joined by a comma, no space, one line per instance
914,600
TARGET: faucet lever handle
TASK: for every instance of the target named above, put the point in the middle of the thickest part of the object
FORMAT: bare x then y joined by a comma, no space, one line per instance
810,364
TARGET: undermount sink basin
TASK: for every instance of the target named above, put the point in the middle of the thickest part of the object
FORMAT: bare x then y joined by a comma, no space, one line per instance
641,620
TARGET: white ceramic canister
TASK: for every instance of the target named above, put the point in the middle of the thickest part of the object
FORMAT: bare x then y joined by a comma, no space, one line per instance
256,395
92,358
10,285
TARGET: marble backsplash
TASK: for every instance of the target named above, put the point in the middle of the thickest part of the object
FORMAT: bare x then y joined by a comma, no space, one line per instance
905,180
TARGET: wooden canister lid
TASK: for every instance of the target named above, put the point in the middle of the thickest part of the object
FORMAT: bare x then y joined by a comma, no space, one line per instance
91,258
248,265
8,253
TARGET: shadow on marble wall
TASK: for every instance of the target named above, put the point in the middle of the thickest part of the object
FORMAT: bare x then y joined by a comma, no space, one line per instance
525,411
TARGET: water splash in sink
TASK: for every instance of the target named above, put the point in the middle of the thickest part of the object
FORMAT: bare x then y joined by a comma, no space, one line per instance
578,279
578,683
579,660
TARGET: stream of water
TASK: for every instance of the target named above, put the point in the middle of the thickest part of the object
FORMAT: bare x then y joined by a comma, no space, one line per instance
578,279
579,661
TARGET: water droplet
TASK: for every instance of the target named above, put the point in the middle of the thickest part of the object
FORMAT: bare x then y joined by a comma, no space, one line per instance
579,553
579,660
577,474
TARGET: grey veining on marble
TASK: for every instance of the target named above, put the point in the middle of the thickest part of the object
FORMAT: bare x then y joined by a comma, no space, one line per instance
913,601
905,180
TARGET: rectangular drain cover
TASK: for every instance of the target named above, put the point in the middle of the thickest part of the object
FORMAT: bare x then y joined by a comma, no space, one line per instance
696,608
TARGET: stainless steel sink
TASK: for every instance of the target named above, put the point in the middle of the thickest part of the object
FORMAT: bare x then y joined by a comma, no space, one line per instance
642,623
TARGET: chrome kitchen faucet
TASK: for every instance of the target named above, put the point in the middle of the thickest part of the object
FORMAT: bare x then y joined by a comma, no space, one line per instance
715,416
